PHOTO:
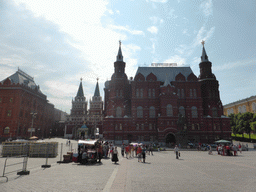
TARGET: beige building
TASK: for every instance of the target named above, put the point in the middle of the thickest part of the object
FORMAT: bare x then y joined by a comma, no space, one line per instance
241,106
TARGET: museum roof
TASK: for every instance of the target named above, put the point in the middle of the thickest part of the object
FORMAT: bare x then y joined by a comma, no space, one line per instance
23,79
160,72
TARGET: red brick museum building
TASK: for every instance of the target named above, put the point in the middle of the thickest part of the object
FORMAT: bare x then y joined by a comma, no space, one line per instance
164,104
21,102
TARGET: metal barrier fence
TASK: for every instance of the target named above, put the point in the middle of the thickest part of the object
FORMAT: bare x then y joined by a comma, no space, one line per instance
35,159
20,171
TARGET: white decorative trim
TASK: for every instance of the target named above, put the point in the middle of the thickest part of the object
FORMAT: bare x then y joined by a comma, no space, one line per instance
166,129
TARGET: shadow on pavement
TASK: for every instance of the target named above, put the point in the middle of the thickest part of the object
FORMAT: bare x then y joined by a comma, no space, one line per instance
89,164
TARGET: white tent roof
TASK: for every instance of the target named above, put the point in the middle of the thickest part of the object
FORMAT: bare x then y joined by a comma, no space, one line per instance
89,142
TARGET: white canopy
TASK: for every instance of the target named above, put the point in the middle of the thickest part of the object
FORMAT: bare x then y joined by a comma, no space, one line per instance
89,142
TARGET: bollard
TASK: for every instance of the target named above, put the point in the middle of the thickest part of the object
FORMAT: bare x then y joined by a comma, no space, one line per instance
46,161
60,161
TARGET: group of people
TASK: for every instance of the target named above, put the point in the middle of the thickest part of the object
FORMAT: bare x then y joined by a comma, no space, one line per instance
94,153
136,150
226,149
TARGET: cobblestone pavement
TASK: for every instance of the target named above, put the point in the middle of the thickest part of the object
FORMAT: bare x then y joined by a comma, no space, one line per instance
194,171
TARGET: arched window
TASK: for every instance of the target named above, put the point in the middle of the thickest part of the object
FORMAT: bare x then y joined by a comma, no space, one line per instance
228,112
254,107
152,113
182,111
169,111
178,93
139,112
141,93
244,109
137,93
149,93
194,112
153,93
191,93
6,130
239,109
232,110
214,112
118,112
195,95
182,93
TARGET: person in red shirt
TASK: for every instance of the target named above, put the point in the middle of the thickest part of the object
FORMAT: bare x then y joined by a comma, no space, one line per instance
127,151
240,148
139,151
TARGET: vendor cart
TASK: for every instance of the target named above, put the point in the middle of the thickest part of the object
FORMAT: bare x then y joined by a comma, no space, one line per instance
87,151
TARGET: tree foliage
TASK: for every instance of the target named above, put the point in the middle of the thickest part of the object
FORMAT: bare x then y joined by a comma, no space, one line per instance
243,123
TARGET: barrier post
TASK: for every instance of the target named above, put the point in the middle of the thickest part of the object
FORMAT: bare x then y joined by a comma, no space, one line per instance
24,168
46,162
60,161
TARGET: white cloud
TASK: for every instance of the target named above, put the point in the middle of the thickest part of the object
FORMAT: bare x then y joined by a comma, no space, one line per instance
185,32
153,29
206,7
63,44
202,34
172,15
232,65
155,20
176,59
126,28
110,12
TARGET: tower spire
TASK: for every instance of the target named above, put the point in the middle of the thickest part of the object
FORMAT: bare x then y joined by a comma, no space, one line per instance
204,57
97,90
119,56
80,92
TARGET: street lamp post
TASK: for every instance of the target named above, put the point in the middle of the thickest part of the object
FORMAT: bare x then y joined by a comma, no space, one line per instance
33,116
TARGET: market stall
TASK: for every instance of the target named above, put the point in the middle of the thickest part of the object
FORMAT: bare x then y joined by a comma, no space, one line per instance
87,151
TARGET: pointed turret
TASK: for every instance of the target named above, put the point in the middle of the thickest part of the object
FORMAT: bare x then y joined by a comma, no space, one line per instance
204,57
119,56
80,92
97,90
205,66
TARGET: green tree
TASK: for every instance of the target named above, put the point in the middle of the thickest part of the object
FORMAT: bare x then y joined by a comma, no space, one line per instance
233,123
247,118
253,126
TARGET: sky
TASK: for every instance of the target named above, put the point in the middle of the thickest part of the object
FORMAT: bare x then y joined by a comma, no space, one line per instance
58,42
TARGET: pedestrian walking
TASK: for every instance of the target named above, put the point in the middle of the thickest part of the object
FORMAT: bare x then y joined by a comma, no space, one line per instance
176,150
144,150
115,155
122,150
240,148
151,149
139,151
210,150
